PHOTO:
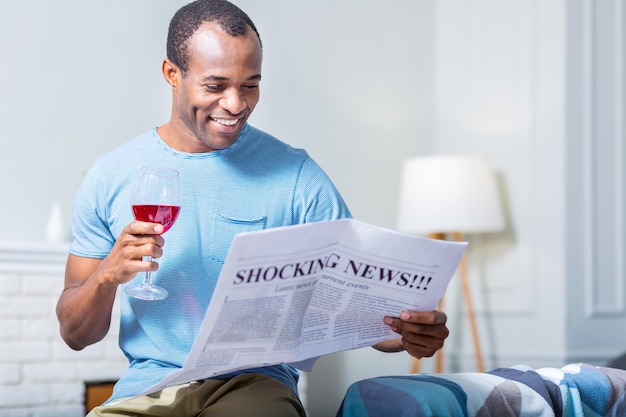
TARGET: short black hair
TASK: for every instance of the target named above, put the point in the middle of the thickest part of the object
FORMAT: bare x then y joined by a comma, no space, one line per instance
188,19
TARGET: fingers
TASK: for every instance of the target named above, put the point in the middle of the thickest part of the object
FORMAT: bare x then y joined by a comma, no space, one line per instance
143,228
423,333
141,239
128,256
421,351
425,320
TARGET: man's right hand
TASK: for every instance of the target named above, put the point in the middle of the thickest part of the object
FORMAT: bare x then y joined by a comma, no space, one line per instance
85,306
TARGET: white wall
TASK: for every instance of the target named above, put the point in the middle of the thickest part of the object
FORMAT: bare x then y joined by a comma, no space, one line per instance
538,87
501,93
352,82
76,78
596,156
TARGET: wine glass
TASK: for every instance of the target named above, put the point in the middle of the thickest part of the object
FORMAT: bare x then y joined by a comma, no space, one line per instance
156,198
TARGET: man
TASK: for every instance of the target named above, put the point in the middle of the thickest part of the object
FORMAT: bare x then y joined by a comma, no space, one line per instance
234,178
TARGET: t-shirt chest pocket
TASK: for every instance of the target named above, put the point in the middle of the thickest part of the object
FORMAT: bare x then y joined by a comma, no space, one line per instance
224,229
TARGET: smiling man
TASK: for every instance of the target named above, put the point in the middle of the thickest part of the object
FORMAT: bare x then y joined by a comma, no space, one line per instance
235,178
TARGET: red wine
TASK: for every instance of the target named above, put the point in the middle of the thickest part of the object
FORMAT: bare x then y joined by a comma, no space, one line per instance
166,215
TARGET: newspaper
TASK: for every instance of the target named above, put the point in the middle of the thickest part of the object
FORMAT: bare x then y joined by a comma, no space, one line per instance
294,293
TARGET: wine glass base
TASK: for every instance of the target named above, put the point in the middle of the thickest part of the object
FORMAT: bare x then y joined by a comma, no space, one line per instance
144,292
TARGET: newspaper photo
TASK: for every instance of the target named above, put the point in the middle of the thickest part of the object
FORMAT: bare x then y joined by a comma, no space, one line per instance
294,293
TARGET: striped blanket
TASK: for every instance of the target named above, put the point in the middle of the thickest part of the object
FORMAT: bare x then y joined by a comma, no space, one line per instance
575,390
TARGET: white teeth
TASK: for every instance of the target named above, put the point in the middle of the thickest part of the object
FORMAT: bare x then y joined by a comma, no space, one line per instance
226,122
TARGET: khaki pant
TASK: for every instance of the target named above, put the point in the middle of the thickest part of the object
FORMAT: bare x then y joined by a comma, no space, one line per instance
245,395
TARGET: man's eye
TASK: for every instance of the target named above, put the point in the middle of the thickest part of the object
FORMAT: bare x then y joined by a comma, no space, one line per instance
213,87
251,86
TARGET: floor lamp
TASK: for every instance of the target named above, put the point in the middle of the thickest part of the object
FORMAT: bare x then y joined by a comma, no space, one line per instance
445,197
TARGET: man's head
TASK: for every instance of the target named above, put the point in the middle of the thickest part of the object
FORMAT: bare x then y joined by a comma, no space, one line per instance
188,19
214,68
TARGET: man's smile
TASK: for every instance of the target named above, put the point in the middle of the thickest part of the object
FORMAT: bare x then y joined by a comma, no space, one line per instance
225,122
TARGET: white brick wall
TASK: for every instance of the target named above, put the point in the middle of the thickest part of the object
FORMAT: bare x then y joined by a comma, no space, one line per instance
39,374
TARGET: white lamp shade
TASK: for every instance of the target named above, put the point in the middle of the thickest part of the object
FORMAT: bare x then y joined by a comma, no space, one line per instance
443,194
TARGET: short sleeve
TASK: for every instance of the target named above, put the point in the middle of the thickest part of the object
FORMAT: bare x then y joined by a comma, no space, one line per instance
91,235
316,197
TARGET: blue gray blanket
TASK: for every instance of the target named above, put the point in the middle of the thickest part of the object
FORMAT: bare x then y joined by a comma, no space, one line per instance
575,390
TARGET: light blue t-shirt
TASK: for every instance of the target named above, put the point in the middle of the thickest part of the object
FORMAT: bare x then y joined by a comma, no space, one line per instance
257,183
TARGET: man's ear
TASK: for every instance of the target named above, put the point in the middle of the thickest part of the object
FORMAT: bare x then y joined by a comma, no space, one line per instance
171,72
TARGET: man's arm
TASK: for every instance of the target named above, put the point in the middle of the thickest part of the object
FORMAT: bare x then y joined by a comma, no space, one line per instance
85,306
422,333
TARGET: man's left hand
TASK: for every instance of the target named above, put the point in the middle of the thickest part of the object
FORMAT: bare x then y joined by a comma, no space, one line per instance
422,333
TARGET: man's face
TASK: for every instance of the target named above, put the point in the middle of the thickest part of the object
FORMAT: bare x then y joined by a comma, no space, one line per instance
219,91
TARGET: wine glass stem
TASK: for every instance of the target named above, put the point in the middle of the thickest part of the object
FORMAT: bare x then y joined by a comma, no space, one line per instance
147,279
